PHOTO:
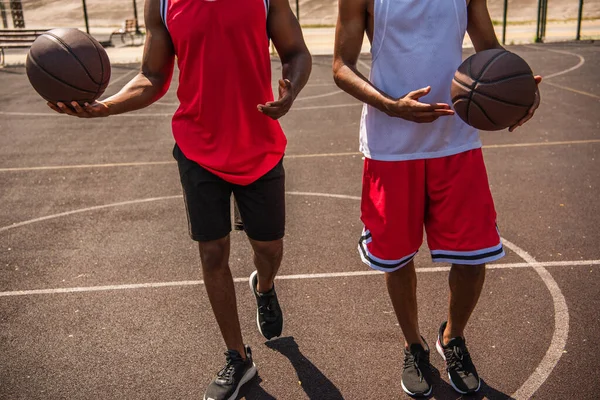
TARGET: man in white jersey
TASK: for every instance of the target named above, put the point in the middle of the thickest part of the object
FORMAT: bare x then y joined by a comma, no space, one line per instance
423,165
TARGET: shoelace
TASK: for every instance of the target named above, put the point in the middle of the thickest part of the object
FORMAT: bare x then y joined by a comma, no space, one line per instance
413,360
267,308
458,358
233,358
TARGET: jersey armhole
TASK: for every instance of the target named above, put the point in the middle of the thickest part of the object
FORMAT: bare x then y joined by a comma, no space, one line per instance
380,18
164,5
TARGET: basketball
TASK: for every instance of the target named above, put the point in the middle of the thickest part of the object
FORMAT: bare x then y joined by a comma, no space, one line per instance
493,90
68,65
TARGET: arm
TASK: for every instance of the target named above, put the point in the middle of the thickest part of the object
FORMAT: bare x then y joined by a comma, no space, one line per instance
349,35
284,29
149,85
482,34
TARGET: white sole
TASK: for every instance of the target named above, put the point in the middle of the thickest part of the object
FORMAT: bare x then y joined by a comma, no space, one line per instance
252,288
415,395
247,376
438,346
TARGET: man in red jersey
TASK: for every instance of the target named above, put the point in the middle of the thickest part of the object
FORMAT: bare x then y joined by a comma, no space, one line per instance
228,141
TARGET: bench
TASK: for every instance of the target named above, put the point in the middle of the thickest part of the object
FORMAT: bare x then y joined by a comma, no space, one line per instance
129,29
17,39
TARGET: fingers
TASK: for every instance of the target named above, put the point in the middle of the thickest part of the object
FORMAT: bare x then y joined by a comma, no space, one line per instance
55,108
65,109
538,79
416,94
424,107
530,113
278,103
271,111
285,84
77,107
522,121
436,113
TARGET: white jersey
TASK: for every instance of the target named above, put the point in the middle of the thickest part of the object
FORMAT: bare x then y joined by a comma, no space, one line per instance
416,43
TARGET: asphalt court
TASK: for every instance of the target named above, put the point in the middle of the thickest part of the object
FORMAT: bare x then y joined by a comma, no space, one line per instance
101,296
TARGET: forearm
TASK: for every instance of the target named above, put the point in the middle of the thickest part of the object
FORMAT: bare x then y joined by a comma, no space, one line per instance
140,92
353,82
297,70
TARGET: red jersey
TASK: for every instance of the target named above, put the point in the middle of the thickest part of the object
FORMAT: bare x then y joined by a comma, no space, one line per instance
222,50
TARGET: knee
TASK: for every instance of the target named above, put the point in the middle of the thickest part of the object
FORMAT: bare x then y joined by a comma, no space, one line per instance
470,270
214,254
272,250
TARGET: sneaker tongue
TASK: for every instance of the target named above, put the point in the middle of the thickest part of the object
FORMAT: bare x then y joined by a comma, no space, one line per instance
416,348
456,342
267,294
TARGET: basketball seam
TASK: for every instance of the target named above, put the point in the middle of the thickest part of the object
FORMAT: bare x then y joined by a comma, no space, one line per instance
70,50
489,63
484,69
470,91
33,60
101,69
484,113
473,91
505,79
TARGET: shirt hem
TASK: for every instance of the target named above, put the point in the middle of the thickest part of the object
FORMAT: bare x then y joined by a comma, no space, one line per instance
422,156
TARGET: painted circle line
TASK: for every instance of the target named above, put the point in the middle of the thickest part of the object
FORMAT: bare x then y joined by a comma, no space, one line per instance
561,311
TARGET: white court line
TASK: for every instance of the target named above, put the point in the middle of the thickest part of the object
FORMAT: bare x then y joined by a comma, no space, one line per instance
318,96
561,312
560,143
333,196
561,328
570,89
125,75
573,68
364,64
82,210
566,71
291,156
161,115
154,285
46,168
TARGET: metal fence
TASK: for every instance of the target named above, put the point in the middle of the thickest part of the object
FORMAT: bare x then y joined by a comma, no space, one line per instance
515,20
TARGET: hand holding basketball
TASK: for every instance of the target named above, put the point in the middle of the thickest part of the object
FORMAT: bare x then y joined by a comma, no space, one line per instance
536,104
410,108
94,110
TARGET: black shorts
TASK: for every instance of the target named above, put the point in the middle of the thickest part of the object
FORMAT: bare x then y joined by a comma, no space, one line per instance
208,202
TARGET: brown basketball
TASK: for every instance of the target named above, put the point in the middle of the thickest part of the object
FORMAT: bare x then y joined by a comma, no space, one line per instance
68,65
493,89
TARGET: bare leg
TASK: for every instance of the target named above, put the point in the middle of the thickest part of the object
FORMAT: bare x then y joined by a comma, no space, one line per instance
466,282
267,259
218,281
402,288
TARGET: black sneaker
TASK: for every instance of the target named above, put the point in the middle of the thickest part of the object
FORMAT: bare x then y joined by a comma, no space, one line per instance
269,318
417,373
461,371
232,377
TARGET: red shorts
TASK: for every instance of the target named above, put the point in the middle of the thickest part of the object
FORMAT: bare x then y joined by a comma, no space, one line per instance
449,196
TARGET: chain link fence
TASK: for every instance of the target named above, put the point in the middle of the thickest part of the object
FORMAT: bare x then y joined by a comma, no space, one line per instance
515,20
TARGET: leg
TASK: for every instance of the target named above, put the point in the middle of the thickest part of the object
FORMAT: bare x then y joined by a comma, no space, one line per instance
267,259
466,282
402,288
221,292
208,204
261,207
392,209
461,229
